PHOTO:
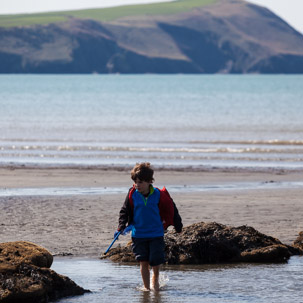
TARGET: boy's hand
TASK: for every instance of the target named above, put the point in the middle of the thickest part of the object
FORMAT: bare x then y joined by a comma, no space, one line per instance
116,233
127,230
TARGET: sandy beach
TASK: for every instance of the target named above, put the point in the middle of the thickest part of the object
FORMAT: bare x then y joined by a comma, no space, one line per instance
83,224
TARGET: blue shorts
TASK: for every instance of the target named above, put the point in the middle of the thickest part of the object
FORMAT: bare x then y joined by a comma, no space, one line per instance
149,249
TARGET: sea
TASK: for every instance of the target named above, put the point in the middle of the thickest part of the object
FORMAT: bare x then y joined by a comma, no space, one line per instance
193,122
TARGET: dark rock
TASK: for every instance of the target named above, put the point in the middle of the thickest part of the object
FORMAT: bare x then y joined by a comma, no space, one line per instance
299,242
272,253
25,275
204,243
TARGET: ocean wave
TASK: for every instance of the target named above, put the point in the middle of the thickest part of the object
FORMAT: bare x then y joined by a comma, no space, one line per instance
271,153
208,148
253,142
89,142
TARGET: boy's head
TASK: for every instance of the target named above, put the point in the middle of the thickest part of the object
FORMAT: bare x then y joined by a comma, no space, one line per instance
142,172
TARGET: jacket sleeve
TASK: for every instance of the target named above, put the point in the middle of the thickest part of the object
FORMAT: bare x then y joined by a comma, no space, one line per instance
125,215
169,212
177,219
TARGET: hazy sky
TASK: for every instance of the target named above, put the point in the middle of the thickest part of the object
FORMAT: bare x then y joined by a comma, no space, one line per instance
289,10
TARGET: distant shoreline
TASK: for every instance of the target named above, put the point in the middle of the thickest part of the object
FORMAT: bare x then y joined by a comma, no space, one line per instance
165,168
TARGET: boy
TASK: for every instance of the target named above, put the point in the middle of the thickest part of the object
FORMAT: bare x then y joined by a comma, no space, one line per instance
150,211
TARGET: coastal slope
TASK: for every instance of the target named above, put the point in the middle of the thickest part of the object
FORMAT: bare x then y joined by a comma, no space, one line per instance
224,36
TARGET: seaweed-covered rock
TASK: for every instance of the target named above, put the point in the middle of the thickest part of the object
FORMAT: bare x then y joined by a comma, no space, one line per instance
299,241
25,275
13,254
203,243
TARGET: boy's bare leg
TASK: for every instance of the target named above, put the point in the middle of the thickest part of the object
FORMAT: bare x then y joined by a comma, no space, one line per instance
155,279
144,267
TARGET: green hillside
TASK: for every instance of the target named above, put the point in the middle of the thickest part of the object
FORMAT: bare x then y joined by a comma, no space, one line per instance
103,14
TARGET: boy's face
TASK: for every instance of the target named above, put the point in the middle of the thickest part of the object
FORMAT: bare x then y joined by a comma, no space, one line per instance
142,186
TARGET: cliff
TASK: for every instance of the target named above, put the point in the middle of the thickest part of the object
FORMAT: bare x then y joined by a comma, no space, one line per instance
227,36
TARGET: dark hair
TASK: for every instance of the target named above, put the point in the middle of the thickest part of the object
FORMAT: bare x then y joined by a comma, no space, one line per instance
143,172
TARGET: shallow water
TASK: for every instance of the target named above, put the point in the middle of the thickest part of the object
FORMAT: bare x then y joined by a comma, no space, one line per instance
69,191
110,282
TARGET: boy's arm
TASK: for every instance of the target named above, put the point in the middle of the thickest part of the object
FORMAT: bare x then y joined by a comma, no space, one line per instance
177,219
125,215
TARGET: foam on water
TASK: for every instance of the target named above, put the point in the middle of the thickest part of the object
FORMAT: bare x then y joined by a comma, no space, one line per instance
163,281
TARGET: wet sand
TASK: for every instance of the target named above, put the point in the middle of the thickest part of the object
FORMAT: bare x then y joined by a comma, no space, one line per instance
83,224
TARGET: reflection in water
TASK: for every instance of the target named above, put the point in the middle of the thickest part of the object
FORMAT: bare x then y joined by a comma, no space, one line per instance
150,297
234,283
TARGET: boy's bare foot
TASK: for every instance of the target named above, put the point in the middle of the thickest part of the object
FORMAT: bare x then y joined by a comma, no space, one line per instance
155,283
146,289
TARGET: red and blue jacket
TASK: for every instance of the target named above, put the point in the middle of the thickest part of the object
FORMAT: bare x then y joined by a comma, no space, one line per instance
150,215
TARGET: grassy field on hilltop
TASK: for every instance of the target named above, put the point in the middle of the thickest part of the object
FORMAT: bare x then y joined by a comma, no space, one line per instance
103,14
30,19
107,14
